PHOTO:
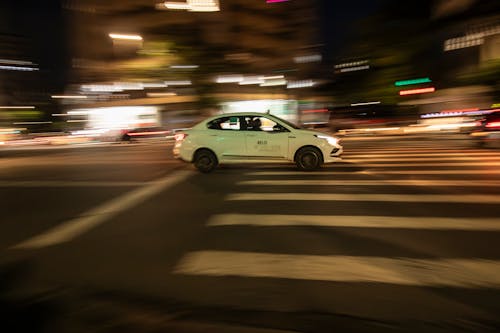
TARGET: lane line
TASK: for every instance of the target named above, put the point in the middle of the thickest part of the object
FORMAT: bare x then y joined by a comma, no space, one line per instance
420,198
389,172
102,213
464,273
62,183
374,182
386,222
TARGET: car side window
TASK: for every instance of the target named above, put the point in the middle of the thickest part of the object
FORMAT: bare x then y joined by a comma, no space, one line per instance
225,123
257,123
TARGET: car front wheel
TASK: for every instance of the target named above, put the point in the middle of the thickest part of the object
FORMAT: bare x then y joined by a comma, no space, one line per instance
205,161
308,158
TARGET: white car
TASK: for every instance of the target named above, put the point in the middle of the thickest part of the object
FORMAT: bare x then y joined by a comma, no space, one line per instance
253,137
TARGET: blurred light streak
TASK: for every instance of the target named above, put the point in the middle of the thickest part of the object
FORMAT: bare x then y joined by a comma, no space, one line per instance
252,80
125,37
461,110
351,64
154,85
493,124
193,5
412,81
60,115
300,84
17,107
161,94
32,122
147,133
15,62
176,5
273,77
69,96
275,1
353,69
178,83
274,82
417,91
18,68
365,103
315,111
184,66
76,121
496,105
307,58
229,79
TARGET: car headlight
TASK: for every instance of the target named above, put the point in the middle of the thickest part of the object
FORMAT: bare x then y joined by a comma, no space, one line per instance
331,140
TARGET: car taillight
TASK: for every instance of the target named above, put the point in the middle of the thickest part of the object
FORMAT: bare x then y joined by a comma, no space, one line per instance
493,124
180,136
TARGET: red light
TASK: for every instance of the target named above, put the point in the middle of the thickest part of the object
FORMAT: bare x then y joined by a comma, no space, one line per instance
417,91
180,136
493,124
315,111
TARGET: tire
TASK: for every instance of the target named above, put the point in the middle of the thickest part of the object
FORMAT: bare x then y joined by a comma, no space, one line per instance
205,161
308,158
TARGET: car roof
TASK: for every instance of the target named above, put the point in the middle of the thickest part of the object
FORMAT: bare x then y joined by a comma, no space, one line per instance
237,114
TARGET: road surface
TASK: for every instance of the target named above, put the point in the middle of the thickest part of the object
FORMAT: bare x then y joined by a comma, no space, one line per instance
401,236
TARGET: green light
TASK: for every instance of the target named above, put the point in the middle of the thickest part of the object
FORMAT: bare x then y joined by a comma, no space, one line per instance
413,81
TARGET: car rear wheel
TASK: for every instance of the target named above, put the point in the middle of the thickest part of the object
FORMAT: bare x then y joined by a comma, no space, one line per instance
308,158
205,161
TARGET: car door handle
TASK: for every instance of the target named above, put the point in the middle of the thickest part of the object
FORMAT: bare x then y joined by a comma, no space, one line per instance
291,137
213,135
250,134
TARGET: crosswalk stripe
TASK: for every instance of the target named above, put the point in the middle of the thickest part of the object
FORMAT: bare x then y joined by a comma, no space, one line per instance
374,182
388,172
465,273
386,222
420,198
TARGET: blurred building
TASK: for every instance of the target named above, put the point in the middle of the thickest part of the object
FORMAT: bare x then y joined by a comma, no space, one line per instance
32,62
183,60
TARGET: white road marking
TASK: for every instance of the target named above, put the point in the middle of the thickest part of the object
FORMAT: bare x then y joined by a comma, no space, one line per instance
389,222
389,172
373,182
100,214
61,183
464,273
420,198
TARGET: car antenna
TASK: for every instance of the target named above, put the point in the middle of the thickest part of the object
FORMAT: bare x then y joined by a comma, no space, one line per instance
268,111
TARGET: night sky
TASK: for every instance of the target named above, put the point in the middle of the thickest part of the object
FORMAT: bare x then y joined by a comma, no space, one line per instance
337,18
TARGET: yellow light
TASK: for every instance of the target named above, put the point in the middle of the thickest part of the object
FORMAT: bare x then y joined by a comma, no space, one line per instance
125,37
69,96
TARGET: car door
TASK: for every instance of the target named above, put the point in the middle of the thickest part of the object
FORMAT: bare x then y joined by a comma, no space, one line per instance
265,138
225,137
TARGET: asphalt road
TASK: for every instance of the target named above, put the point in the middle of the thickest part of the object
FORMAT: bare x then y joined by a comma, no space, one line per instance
401,236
